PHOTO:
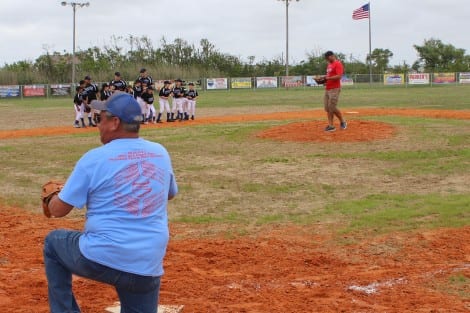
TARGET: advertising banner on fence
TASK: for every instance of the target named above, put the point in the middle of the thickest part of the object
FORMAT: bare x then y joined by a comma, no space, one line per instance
61,90
291,81
347,81
34,90
394,79
216,83
266,82
9,91
443,78
464,78
240,83
418,79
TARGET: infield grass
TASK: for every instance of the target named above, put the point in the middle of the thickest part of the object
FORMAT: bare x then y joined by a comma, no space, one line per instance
228,176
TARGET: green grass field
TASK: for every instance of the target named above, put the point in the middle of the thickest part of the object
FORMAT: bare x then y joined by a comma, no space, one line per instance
227,176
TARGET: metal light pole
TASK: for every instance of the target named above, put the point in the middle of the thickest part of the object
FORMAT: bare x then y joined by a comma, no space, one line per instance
287,34
74,7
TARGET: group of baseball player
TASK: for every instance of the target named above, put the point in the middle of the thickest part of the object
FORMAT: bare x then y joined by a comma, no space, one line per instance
182,108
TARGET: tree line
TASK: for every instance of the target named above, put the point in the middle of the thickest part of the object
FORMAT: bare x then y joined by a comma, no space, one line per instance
183,59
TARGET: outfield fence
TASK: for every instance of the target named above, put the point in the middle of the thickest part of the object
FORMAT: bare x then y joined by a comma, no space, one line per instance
259,83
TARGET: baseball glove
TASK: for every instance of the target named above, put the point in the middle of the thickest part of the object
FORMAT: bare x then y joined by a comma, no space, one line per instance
320,80
49,189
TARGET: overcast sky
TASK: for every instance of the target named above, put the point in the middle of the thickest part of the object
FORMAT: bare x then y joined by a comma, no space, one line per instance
242,27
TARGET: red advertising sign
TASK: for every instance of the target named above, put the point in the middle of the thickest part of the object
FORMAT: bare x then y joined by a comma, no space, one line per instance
34,91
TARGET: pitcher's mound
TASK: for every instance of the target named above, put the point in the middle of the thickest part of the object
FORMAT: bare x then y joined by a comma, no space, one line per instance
313,131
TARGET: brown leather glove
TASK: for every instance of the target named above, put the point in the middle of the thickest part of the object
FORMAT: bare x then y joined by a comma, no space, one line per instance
49,189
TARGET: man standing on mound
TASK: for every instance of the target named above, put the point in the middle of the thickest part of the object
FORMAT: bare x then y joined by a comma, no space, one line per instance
332,83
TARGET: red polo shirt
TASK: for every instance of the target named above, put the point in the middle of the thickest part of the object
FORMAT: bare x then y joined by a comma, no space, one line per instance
335,68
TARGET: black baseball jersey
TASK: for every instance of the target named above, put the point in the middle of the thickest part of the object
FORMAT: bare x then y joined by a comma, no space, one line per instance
146,80
191,94
165,92
77,99
89,92
148,98
120,85
105,94
137,91
178,92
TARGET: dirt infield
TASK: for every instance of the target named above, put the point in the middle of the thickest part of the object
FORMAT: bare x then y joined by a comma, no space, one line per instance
295,115
288,269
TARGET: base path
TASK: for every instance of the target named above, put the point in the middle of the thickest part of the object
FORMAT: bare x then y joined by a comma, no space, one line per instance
295,115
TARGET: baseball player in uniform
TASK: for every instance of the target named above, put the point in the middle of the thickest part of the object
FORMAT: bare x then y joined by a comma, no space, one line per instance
148,98
79,107
164,95
118,83
105,92
334,73
144,78
89,94
138,90
178,100
191,96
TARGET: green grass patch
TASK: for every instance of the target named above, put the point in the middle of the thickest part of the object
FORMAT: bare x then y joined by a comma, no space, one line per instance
385,213
226,175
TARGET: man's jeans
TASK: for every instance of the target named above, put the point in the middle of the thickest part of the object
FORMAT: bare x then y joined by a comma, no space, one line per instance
62,258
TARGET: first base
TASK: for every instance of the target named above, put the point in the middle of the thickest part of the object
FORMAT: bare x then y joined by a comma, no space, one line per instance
116,308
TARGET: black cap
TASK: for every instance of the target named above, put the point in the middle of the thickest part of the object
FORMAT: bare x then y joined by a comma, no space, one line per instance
105,85
150,88
329,54
87,77
166,82
118,74
81,82
143,70
179,80
137,81
191,84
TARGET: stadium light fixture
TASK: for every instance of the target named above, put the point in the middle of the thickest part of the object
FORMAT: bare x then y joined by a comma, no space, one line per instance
74,6
287,33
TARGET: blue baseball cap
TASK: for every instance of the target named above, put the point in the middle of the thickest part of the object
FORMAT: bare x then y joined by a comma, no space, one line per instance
122,105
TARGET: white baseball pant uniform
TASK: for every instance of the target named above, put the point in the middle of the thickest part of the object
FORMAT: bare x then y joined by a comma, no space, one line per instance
164,105
191,107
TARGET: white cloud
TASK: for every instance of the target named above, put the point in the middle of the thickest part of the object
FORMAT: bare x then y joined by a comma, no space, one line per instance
243,27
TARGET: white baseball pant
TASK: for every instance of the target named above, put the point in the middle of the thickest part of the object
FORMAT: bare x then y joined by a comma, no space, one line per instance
191,107
151,110
79,111
164,105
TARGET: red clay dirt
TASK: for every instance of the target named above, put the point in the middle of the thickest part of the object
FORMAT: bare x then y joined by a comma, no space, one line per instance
284,269
314,132
295,115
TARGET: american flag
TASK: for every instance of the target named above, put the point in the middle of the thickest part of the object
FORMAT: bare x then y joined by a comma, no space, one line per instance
362,12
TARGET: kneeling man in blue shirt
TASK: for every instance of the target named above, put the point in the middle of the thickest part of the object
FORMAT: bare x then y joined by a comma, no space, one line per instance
125,185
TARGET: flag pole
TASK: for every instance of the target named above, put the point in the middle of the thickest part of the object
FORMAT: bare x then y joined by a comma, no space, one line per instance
370,45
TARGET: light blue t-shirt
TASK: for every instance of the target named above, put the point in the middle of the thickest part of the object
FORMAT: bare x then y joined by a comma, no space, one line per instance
125,186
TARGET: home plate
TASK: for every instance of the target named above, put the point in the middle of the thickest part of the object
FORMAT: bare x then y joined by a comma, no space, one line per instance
116,308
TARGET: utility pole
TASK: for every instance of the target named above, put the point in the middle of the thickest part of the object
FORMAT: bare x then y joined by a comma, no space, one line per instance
74,7
287,33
